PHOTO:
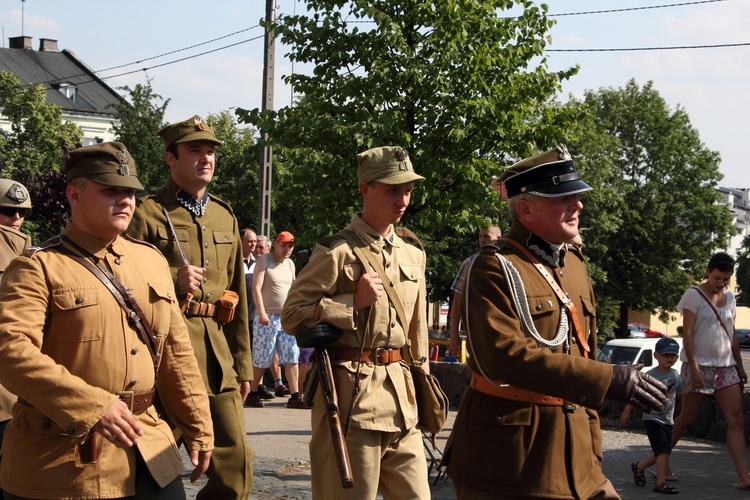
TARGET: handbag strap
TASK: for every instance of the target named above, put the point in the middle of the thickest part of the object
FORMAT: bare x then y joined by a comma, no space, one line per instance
124,298
358,244
713,308
564,299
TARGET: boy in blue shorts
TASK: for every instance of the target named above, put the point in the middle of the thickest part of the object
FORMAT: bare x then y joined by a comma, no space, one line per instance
659,425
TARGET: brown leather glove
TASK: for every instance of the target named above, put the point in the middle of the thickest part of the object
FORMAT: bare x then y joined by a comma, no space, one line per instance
630,385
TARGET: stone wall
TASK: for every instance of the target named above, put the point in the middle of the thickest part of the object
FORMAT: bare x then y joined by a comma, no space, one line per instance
710,424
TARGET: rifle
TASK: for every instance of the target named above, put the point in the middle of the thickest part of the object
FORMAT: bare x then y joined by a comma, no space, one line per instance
319,337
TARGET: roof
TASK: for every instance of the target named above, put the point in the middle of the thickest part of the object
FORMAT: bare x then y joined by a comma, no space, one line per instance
53,69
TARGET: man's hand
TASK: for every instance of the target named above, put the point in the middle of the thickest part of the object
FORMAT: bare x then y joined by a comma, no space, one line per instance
630,385
263,318
189,278
244,389
199,459
369,288
119,426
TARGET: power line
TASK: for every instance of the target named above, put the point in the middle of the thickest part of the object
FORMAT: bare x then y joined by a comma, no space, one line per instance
628,9
635,49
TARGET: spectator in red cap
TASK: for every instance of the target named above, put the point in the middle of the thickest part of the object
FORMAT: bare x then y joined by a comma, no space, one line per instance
273,276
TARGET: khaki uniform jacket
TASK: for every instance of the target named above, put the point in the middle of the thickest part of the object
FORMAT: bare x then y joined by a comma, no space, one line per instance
324,293
66,348
523,449
213,242
12,244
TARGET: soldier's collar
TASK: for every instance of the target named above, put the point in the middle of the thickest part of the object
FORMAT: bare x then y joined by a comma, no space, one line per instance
554,255
198,207
94,246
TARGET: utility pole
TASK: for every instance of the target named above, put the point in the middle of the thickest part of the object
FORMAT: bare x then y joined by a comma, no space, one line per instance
266,151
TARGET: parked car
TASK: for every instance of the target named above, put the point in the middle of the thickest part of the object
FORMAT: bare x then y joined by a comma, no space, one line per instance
743,334
647,331
632,352
636,332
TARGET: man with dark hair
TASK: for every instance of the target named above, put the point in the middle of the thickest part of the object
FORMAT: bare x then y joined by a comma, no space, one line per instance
198,234
85,373
531,332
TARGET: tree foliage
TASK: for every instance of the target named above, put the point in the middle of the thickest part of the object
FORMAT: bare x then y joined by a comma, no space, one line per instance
236,176
653,220
140,118
458,84
32,154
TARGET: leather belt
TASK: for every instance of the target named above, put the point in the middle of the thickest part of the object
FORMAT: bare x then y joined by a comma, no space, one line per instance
138,403
195,308
505,391
379,356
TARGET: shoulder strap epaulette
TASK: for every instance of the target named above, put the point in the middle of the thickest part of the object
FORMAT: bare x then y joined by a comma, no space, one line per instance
328,241
407,235
221,202
139,242
50,243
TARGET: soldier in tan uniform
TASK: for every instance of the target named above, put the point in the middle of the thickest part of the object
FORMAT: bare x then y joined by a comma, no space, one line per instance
528,427
209,237
82,372
15,206
369,359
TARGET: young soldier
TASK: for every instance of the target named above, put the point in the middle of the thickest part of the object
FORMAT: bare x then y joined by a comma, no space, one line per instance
201,241
369,359
84,373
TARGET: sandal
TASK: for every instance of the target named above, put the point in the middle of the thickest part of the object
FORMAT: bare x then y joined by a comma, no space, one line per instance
638,476
665,488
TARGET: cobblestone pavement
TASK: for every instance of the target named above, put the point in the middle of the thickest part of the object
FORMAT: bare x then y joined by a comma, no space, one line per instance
279,438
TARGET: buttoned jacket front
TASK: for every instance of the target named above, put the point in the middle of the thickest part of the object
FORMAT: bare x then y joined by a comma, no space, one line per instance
324,293
66,349
211,241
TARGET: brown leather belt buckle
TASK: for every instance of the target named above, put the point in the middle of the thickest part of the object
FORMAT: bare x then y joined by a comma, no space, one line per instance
127,397
384,356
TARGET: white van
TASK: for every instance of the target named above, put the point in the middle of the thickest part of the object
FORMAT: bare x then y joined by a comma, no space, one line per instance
634,351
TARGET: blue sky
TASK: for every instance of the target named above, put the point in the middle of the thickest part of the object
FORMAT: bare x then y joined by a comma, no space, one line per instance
710,84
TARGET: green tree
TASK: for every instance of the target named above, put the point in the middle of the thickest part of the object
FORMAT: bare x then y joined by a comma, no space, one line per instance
457,83
653,220
140,118
236,177
743,272
31,152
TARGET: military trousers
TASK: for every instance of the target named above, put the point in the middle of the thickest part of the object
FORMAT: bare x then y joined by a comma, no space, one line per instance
230,475
390,462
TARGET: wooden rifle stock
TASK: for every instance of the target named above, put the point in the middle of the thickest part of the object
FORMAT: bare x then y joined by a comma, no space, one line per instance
334,420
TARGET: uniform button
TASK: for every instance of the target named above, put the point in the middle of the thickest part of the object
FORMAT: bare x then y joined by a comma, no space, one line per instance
169,295
71,430
205,280
117,261
539,307
208,296
134,351
79,300
387,264
574,340
393,324
205,245
562,274
203,227
225,238
208,263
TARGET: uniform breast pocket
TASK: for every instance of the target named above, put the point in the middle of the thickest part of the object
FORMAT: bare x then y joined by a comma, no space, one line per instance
166,245
223,242
543,306
589,315
77,315
410,275
352,273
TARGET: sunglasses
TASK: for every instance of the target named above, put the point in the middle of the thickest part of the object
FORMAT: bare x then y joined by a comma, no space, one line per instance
11,211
